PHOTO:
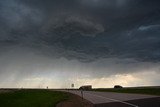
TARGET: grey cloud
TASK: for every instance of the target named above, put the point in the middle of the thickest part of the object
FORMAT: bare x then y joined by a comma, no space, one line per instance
73,25
62,39
66,31
150,27
105,3
18,15
85,31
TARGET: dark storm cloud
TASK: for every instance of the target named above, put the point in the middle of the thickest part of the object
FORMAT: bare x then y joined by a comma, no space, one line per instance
62,39
85,30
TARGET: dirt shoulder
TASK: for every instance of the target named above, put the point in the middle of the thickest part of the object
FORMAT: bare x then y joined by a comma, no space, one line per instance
75,101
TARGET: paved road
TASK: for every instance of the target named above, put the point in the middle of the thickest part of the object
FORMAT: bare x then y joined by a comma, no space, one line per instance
110,99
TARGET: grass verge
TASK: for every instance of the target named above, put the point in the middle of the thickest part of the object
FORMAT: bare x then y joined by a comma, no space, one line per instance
32,98
149,91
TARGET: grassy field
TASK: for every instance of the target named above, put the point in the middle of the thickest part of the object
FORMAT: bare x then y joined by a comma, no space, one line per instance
142,90
31,98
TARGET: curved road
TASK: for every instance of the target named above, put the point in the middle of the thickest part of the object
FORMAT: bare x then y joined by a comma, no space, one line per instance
110,99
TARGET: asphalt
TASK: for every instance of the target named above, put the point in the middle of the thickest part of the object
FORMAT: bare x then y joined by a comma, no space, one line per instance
110,99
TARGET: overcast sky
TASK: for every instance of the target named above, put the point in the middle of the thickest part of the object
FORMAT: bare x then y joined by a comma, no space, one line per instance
56,43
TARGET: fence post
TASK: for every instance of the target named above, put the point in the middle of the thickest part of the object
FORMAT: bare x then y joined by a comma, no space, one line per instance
82,93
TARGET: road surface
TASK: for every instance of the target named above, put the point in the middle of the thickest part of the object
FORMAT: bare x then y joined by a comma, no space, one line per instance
110,99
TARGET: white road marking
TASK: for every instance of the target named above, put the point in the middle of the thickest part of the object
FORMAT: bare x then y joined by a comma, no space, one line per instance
114,100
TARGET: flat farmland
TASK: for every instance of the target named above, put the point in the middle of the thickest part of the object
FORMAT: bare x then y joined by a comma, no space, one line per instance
133,90
31,98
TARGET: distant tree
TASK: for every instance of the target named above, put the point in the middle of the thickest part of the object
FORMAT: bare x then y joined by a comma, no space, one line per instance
118,86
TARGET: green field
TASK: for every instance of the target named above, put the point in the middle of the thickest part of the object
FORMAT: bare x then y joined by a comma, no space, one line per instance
31,98
142,90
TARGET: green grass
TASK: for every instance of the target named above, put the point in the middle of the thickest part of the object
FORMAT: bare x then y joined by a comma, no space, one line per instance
149,91
32,98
